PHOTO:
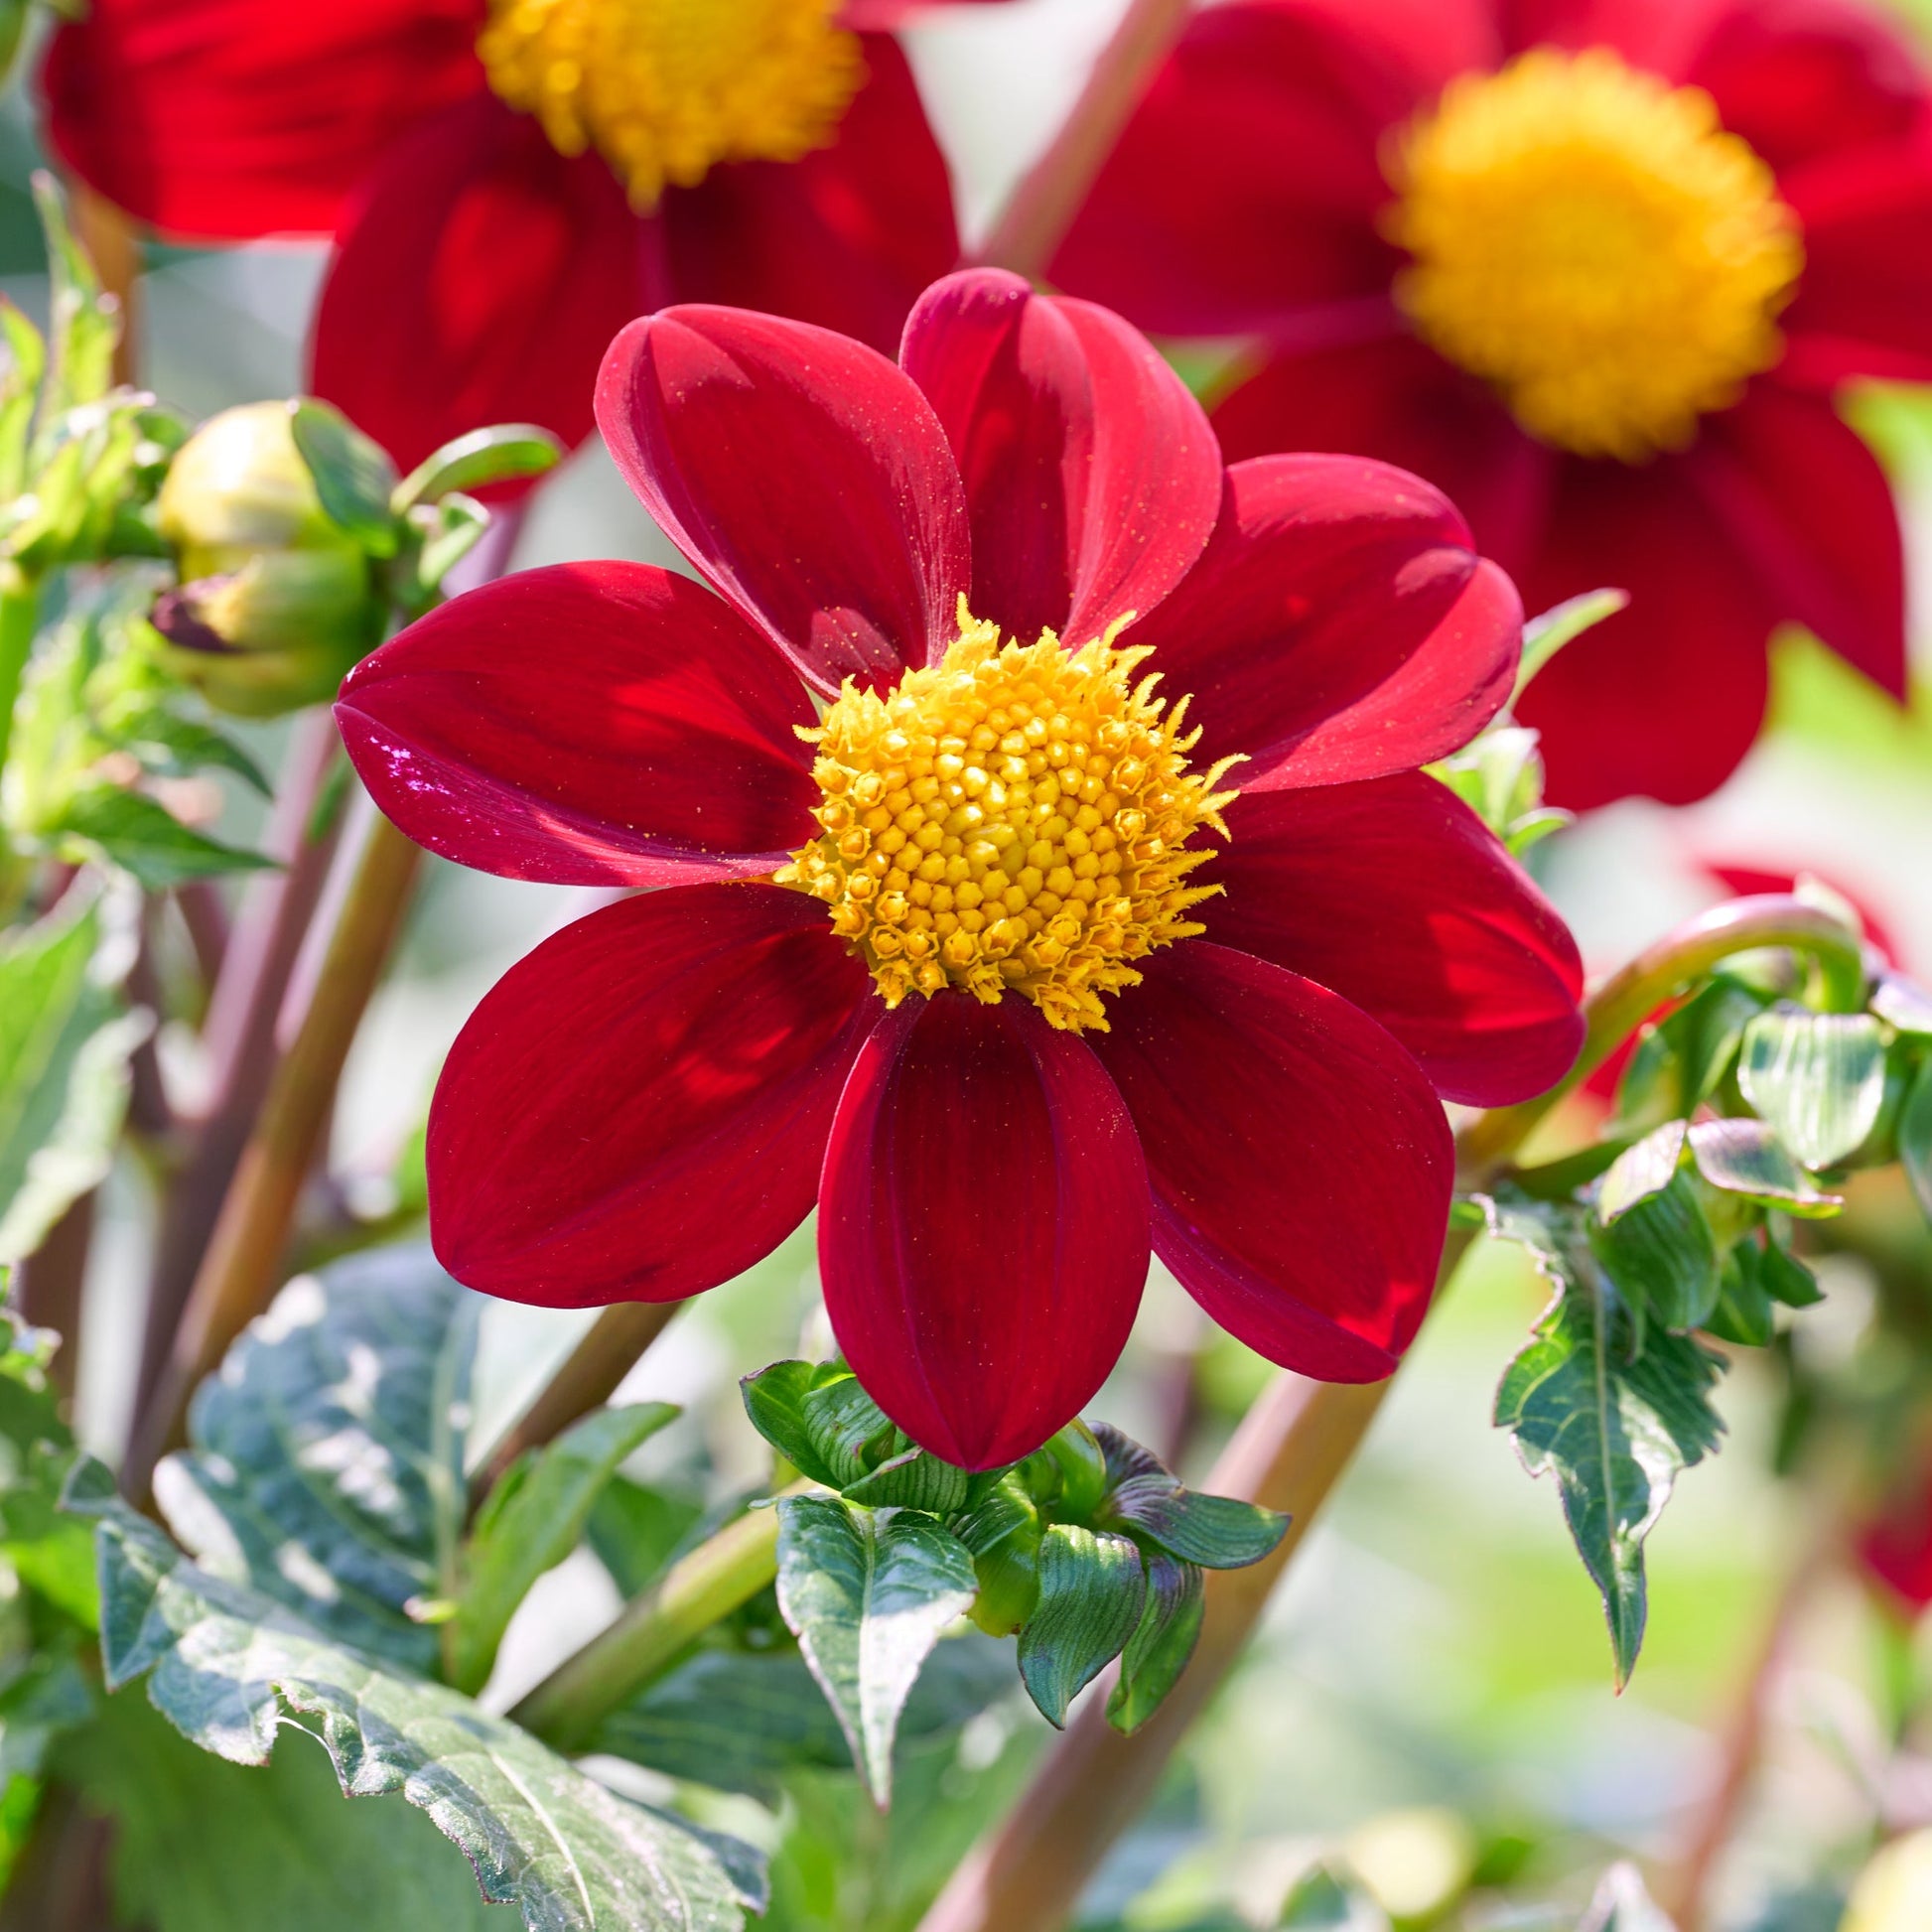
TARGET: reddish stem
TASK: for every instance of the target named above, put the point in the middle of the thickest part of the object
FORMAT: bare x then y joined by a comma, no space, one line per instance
1028,234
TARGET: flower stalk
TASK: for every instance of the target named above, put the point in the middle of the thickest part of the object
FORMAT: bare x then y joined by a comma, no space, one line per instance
1029,228
240,1271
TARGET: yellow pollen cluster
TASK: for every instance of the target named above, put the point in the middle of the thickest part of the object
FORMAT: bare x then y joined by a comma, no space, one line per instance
1590,241
1014,818
665,90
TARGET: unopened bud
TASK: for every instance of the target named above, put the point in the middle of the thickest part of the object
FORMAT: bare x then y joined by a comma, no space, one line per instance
277,601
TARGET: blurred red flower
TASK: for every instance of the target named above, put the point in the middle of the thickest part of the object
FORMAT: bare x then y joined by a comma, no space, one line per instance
1597,268
1236,1063
485,255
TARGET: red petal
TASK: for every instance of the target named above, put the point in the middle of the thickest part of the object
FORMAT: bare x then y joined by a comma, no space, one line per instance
1806,499
478,277
1243,188
1339,626
981,1231
236,118
1865,305
1666,697
589,724
1091,474
804,474
1397,401
845,237
1397,896
638,1110
1301,1163
1806,79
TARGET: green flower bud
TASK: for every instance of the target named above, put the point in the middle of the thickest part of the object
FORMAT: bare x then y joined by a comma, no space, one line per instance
1003,1532
277,601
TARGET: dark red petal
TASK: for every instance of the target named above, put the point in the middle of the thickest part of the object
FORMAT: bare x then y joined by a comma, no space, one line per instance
638,1110
1803,79
1300,1161
1396,896
1667,697
1244,187
845,237
589,724
982,1225
1806,499
1092,478
1338,627
478,277
1864,304
236,118
1397,401
804,474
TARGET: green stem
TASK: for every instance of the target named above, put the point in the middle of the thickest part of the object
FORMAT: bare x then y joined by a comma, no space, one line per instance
20,604
656,1629
1629,997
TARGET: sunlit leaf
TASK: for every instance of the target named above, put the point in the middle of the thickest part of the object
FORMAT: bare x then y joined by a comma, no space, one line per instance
1745,1158
1819,1080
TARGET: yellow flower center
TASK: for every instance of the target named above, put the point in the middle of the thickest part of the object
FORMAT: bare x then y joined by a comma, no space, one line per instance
1592,241
1014,818
665,90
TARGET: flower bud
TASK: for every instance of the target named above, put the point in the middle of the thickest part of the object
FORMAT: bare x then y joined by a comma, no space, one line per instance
1003,1532
276,601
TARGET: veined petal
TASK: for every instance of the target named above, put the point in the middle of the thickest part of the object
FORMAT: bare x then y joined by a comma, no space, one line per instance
478,277
983,1225
235,118
1396,896
1091,474
804,474
1300,1161
638,1110
587,724
1339,625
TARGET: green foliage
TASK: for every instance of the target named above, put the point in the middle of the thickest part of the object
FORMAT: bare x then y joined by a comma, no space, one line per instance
534,1517
1162,1641
633,1529
867,1593
1818,1078
1915,1139
326,1461
65,1043
1093,1589
1146,1502
1613,1411
1682,1059
500,454
352,474
229,1667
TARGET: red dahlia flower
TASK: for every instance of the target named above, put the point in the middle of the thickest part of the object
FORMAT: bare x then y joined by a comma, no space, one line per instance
1597,268
961,956
512,180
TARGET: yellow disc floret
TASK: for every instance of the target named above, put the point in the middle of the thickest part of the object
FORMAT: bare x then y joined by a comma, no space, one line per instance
1590,241
665,90
1014,818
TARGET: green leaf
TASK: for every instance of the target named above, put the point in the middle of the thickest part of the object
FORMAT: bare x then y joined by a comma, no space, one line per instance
202,1846
1915,1139
458,526
740,1721
1321,1902
1163,1641
1680,1060
1641,1171
20,391
1615,1428
1819,1080
49,1693
64,1045
1743,1314
635,1528
775,1400
176,747
353,475
1745,1158
500,453
532,1521
1093,1589
1662,1256
1148,1504
226,1667
867,1593
84,324
1002,1530
146,840
325,1466
1545,635
1903,1004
